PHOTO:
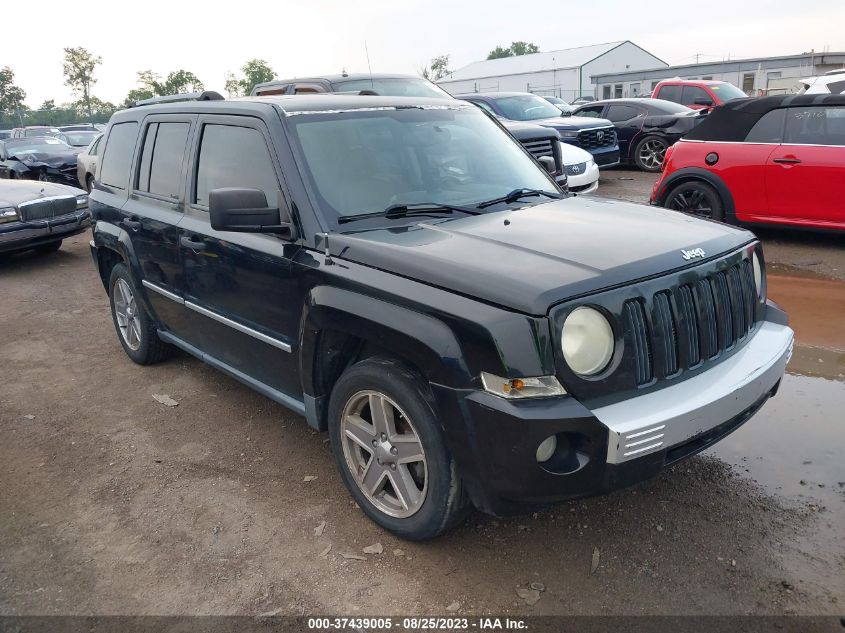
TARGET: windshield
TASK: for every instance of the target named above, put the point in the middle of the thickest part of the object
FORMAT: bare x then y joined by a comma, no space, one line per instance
37,146
396,87
79,139
556,100
361,161
526,108
41,131
726,91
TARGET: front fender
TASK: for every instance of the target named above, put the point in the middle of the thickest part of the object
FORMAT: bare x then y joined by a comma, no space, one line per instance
687,174
420,338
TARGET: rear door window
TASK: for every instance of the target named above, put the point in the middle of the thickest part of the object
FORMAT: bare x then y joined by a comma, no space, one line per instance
670,93
769,129
160,172
117,156
815,125
618,113
234,156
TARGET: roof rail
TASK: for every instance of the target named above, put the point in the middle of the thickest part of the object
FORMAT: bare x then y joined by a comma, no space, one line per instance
208,95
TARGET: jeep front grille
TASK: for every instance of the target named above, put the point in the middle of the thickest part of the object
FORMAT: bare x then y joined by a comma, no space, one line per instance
692,323
597,137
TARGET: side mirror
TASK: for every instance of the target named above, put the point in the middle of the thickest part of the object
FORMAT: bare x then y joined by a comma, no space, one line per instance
549,163
703,101
566,112
245,211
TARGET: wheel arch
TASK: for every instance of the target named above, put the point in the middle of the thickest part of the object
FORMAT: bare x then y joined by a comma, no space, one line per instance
340,327
697,174
114,246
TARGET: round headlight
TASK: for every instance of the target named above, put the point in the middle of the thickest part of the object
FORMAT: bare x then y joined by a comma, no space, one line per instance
587,341
758,274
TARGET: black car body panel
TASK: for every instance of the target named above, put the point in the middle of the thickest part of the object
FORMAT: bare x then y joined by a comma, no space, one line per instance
551,240
636,119
51,165
451,296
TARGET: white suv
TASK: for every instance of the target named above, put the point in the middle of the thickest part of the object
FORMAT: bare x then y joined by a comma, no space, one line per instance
832,82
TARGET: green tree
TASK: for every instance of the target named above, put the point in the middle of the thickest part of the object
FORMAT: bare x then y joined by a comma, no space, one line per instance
48,105
255,71
11,96
516,48
151,85
439,67
79,66
524,48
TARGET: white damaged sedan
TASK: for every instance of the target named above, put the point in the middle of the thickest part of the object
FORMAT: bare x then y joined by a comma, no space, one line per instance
582,173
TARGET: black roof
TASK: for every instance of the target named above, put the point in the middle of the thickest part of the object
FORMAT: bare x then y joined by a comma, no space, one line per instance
669,107
733,120
286,103
494,95
332,79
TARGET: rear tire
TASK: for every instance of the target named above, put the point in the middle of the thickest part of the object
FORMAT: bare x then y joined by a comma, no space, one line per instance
49,247
650,153
136,331
696,198
399,456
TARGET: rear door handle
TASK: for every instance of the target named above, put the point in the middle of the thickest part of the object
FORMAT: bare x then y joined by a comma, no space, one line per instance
194,245
787,161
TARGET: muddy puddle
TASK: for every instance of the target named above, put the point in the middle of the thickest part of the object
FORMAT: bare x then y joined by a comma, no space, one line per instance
795,446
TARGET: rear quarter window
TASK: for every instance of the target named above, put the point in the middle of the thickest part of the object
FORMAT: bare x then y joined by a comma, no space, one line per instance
117,155
769,129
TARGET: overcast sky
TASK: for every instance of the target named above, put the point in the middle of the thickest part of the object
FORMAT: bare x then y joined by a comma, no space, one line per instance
325,36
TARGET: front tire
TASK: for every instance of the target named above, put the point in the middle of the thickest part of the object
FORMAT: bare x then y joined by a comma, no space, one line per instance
390,450
696,198
135,329
650,153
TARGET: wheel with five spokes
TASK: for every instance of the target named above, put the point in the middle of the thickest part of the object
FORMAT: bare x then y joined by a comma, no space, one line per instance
135,330
390,449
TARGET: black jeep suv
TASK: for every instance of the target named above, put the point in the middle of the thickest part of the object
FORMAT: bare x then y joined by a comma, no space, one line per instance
401,272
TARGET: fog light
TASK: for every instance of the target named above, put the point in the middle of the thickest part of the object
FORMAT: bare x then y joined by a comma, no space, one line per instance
546,449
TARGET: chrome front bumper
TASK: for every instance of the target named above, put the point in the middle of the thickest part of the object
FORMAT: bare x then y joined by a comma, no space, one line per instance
59,227
663,419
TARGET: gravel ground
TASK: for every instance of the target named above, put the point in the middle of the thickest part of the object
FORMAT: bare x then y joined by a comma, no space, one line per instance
113,503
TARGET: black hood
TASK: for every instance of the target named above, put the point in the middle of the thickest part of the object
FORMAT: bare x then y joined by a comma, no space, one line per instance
49,159
546,254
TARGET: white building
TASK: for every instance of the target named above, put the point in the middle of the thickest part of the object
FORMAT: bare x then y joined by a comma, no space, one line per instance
757,76
566,73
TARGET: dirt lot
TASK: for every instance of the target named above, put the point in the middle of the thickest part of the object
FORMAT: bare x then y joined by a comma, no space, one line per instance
113,503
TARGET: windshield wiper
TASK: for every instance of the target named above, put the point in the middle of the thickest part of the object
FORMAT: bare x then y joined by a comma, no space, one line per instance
404,210
517,194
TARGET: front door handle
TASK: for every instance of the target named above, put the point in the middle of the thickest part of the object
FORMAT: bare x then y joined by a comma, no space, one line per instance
787,161
194,245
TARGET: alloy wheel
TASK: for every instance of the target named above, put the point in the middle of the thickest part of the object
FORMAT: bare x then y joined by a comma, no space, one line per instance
692,201
652,154
126,312
384,453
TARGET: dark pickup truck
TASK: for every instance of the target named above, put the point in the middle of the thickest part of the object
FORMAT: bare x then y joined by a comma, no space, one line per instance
403,274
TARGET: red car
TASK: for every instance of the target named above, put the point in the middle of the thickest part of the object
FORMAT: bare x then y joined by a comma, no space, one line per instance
695,94
770,160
